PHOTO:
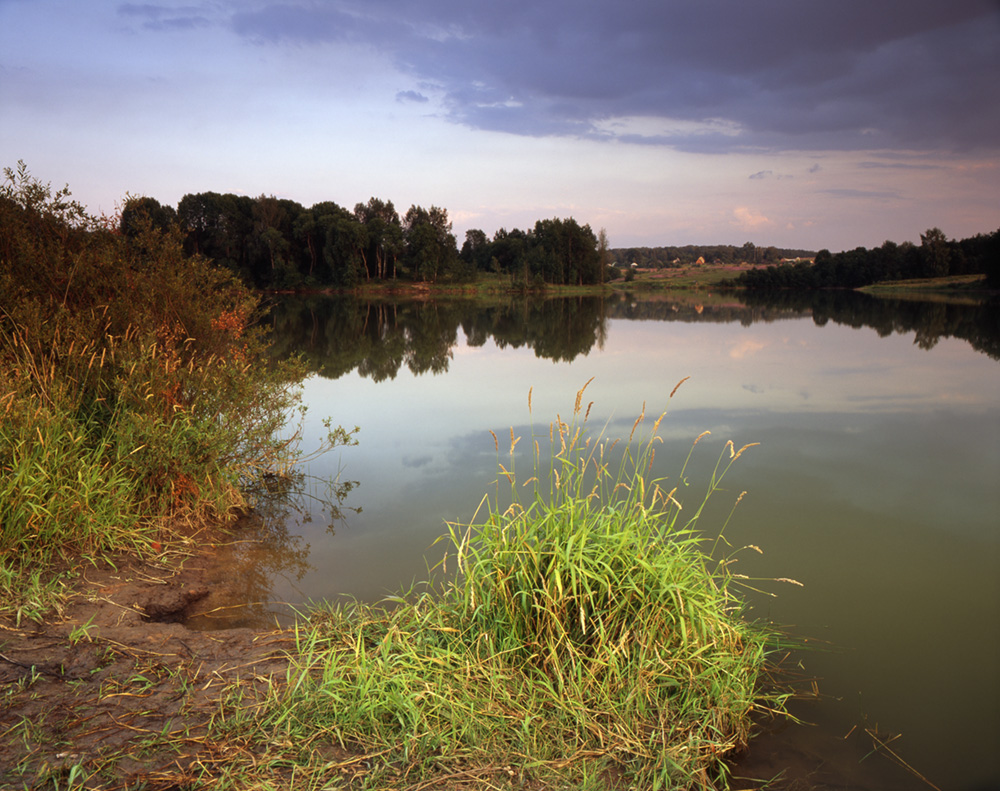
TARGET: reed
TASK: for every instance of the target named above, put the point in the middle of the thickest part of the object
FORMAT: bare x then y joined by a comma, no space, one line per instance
586,638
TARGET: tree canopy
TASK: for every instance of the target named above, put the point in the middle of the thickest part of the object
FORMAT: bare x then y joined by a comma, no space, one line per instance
280,244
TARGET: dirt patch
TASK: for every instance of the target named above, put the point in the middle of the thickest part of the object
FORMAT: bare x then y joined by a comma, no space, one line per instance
118,692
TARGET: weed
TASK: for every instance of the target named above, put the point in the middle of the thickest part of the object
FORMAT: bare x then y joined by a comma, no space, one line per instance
83,632
135,392
588,630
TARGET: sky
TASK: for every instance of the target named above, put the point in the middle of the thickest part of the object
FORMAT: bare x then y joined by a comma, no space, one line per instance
794,123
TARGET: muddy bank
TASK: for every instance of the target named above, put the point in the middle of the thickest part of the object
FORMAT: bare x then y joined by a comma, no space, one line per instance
119,691
119,687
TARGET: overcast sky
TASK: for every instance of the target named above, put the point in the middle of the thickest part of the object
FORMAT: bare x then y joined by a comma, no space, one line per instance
793,123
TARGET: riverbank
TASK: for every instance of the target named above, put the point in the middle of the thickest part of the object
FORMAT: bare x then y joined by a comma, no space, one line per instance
117,692
105,697
595,645
957,289
693,278
144,385
140,406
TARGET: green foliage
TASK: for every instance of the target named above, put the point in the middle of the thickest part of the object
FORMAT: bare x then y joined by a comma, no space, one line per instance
133,386
935,257
279,244
587,631
555,251
984,248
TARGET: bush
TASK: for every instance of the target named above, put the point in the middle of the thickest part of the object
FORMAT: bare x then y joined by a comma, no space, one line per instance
134,388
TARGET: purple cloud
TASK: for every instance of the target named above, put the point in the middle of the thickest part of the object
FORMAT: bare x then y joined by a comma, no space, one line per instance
411,96
786,74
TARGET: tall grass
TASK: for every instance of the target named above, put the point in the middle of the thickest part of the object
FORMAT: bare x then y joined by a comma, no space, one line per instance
135,392
587,638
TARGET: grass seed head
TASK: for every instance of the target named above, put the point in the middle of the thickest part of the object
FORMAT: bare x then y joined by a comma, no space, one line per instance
678,385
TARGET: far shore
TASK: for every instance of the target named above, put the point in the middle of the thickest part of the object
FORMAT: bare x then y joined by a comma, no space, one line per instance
684,282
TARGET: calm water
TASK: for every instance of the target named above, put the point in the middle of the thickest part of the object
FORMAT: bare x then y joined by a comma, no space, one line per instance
876,483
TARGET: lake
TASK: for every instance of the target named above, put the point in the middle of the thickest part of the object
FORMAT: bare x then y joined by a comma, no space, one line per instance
876,483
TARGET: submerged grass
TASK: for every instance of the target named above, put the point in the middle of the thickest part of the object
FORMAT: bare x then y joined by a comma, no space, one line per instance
587,639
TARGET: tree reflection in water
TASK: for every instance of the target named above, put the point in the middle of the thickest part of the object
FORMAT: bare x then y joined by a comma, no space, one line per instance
377,337
337,335
242,572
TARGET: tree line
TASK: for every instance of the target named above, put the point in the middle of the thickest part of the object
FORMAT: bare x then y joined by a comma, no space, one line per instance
279,244
936,256
666,257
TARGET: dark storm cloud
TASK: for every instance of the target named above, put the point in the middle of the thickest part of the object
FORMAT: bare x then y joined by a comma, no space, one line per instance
783,73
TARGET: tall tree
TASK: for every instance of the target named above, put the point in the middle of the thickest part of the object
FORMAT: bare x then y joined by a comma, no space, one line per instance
603,253
935,253
385,233
476,249
218,227
270,241
345,247
431,249
138,210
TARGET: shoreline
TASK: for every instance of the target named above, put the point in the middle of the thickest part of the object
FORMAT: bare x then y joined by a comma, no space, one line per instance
119,687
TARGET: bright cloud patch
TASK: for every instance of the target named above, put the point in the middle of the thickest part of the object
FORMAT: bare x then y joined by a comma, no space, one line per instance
748,219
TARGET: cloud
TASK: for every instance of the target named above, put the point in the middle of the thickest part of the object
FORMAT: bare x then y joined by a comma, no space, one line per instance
749,220
771,74
898,166
859,193
769,174
411,96
161,17
293,22
416,462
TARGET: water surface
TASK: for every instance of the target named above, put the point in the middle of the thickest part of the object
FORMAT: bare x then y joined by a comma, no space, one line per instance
875,483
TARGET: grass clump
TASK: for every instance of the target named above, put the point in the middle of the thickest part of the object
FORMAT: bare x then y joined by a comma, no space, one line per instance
135,391
587,639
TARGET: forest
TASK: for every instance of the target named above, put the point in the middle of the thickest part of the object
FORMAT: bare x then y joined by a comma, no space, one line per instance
275,243
278,244
936,256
